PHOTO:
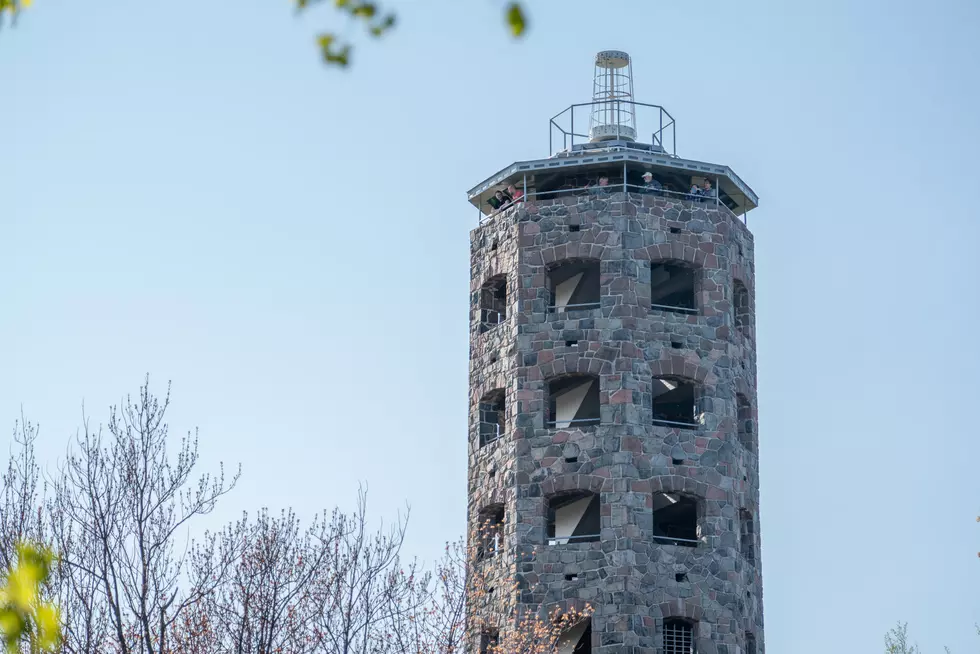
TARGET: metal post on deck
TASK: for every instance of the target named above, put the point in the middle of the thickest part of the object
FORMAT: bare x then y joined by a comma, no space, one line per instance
525,188
625,190
573,130
717,193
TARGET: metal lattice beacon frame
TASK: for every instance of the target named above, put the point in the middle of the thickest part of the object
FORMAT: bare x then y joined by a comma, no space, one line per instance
612,428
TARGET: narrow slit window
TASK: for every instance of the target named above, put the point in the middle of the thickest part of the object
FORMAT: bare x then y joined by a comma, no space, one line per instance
747,530
573,518
750,644
574,286
675,403
673,288
573,402
746,426
740,304
675,520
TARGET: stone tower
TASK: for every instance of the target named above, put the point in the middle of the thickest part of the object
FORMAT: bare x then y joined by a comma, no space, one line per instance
613,448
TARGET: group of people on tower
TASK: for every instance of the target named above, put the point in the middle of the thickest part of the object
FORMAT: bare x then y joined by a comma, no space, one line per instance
698,193
503,199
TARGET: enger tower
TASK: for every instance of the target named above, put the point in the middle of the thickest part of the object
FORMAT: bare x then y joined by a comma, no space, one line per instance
613,448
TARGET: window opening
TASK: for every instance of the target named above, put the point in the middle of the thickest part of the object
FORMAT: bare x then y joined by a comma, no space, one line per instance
672,288
574,228
571,343
489,641
571,577
493,303
745,423
491,531
675,230
750,644
747,529
675,403
740,302
680,577
675,520
573,401
576,640
678,637
574,286
493,414
677,345
573,518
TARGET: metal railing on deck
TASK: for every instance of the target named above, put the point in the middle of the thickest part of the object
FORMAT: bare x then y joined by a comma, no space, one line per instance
673,540
581,306
581,538
577,422
601,192
682,424
490,318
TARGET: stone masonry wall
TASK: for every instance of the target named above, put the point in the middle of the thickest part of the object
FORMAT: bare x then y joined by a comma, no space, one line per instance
627,577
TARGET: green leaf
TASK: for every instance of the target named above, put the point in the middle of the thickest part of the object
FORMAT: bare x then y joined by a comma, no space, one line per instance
516,20
366,10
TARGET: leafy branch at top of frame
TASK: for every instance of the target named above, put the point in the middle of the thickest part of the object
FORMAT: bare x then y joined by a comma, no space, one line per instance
337,52
12,7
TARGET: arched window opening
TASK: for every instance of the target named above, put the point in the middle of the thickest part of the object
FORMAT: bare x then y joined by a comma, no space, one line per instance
576,640
573,518
574,286
673,287
675,520
493,416
747,531
746,426
573,401
740,303
678,637
675,403
493,303
491,531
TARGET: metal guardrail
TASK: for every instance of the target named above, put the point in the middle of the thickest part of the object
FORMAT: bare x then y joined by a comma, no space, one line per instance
651,114
492,436
670,307
582,306
673,540
490,318
581,538
676,423
600,192
562,424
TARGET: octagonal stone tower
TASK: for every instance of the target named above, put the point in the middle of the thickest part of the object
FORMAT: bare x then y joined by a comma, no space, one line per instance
613,449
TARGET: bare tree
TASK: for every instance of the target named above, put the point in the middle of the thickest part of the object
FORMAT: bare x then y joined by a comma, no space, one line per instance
360,580
266,604
121,503
21,515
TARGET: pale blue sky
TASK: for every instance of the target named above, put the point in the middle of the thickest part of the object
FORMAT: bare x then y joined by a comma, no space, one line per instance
186,190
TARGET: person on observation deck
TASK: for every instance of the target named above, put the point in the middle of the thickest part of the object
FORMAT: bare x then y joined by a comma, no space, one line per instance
707,191
650,185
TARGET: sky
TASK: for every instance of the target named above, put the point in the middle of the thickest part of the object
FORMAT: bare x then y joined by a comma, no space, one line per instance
186,191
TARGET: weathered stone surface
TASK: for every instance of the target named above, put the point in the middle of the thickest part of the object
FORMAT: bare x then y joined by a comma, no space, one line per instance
628,578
